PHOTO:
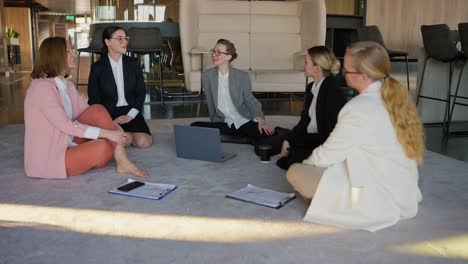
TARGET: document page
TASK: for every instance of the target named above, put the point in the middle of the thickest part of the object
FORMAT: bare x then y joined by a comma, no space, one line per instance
262,196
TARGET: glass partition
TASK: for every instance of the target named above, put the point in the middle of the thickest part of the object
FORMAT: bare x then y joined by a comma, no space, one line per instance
133,10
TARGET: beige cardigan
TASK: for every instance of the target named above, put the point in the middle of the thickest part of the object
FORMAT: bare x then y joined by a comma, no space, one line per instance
47,128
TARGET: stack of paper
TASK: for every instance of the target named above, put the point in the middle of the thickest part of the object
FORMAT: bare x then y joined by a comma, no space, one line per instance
261,196
148,190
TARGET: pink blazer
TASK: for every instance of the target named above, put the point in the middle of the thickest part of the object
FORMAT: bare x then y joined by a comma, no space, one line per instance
47,128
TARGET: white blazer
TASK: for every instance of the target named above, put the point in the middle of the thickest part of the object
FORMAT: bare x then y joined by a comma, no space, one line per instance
370,183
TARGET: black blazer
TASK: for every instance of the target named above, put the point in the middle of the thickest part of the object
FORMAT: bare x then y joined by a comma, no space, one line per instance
102,88
329,103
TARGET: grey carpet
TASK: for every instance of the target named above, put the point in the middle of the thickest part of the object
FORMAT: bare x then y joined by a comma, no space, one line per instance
77,221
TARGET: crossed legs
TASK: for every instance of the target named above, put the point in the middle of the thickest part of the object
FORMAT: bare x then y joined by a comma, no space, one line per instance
97,153
138,140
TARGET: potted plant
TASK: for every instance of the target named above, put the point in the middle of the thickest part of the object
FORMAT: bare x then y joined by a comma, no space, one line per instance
12,36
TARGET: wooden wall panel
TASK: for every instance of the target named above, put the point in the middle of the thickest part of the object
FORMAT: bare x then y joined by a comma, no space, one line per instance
19,18
341,7
172,10
400,20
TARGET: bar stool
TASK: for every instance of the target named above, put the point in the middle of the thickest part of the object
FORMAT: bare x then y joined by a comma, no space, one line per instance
148,41
372,33
463,31
440,46
94,47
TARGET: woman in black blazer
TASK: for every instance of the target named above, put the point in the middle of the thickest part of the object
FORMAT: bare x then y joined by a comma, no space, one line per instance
116,82
323,101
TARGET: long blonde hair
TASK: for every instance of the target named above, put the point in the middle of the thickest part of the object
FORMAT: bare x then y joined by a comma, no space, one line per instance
372,59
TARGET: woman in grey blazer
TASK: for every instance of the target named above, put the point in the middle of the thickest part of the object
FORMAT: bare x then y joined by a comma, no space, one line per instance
233,108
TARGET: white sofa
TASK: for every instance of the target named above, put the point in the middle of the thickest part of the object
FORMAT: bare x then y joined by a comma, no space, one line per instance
271,38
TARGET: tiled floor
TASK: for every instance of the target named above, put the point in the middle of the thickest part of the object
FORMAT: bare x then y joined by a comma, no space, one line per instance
13,88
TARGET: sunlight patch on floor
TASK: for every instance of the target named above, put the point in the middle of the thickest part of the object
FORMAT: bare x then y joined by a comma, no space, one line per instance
155,226
455,247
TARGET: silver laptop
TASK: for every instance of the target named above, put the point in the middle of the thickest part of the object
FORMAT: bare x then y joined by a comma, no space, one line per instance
199,143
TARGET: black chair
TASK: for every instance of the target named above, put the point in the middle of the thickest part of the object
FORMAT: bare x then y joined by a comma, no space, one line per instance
348,92
167,56
148,41
463,33
172,61
439,45
372,33
94,47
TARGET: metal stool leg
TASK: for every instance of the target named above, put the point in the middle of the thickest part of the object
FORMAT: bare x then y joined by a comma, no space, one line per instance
421,81
447,102
161,82
455,97
407,72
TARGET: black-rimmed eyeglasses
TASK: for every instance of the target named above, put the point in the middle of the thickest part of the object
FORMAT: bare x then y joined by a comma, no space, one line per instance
348,72
217,52
121,39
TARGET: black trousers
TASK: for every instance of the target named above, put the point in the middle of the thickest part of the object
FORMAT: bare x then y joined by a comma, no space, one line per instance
298,151
249,129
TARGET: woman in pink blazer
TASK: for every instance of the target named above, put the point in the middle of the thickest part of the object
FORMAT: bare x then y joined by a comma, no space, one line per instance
63,135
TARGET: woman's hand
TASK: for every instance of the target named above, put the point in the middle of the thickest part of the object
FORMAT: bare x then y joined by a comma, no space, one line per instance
118,127
284,150
263,127
123,119
117,136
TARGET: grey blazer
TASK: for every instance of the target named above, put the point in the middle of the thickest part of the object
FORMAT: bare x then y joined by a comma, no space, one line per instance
240,89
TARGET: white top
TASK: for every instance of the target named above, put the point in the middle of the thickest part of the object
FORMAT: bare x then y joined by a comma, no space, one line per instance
91,132
225,105
117,70
312,127
369,182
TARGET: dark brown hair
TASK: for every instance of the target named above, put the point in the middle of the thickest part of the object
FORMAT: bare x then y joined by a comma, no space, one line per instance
52,58
230,48
107,34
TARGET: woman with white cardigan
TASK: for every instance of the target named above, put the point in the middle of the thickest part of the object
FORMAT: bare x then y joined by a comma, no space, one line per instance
365,175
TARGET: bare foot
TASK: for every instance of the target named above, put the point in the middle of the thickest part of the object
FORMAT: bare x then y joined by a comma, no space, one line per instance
130,168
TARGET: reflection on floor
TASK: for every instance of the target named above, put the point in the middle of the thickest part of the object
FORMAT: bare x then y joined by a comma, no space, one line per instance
13,89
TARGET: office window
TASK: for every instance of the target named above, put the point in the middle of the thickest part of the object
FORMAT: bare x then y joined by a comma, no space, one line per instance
150,13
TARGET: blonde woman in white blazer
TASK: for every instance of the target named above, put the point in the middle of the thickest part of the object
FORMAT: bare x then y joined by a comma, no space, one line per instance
365,175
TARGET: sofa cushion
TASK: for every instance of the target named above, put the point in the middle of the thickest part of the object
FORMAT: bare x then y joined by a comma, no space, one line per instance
224,7
279,76
224,23
278,81
278,87
275,8
273,51
206,41
274,24
195,79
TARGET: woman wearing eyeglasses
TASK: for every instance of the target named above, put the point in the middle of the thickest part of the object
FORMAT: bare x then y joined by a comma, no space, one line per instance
365,175
116,81
63,135
322,103
233,108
